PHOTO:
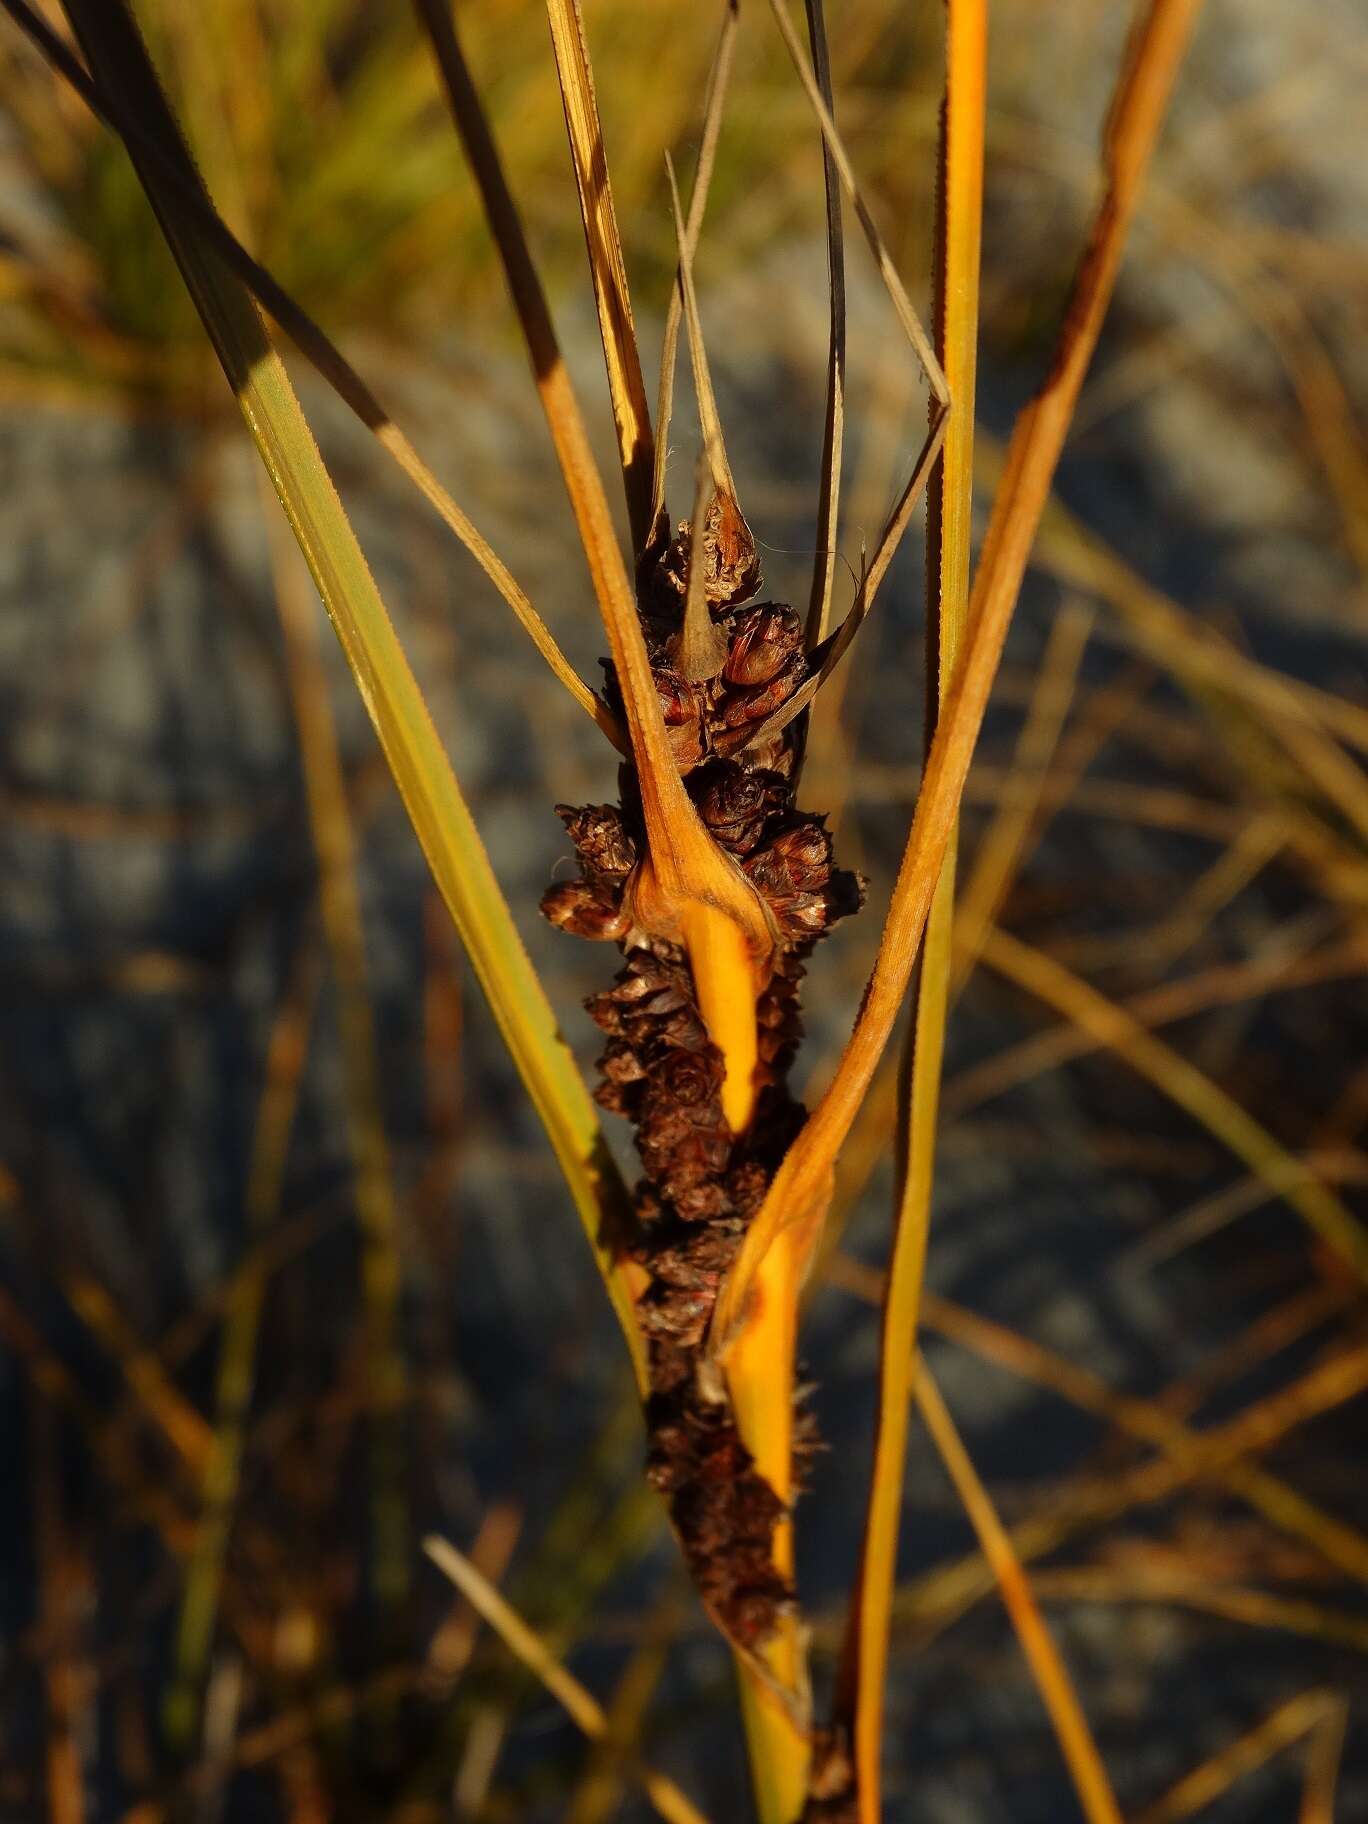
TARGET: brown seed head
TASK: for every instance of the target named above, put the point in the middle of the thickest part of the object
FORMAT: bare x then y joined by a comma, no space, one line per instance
587,908
796,859
734,803
690,1078
600,838
683,711
764,639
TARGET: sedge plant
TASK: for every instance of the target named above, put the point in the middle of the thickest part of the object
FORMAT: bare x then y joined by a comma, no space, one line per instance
707,873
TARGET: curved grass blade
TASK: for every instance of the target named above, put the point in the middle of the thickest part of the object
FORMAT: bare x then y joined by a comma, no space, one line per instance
177,174
718,79
422,772
833,426
621,354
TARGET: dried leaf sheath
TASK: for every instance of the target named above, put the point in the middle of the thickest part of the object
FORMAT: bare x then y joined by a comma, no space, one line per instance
661,1070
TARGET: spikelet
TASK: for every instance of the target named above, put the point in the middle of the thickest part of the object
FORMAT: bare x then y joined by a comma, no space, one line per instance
701,1182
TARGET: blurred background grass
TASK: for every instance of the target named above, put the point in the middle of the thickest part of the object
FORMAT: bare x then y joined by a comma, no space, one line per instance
215,1605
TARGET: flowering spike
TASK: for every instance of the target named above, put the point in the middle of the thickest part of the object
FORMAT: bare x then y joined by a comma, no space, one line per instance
709,1101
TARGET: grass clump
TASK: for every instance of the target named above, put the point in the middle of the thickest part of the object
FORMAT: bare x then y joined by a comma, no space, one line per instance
706,874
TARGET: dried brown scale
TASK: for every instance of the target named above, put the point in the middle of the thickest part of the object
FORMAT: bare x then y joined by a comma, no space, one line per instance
587,908
702,1184
600,838
831,1786
731,568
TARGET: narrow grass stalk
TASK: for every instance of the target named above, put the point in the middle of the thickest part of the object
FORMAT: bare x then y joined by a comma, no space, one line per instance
581,1706
833,423
801,1188
710,419
626,387
1047,1666
714,104
960,194
422,772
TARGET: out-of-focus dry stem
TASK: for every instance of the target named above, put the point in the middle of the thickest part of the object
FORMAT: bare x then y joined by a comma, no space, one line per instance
1001,847
286,1051
1323,1764
951,1590
1150,1421
1201,1787
584,1710
1047,1665
1107,1024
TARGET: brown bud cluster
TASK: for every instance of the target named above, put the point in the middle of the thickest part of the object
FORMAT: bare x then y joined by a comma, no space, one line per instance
762,662
765,665
702,1183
